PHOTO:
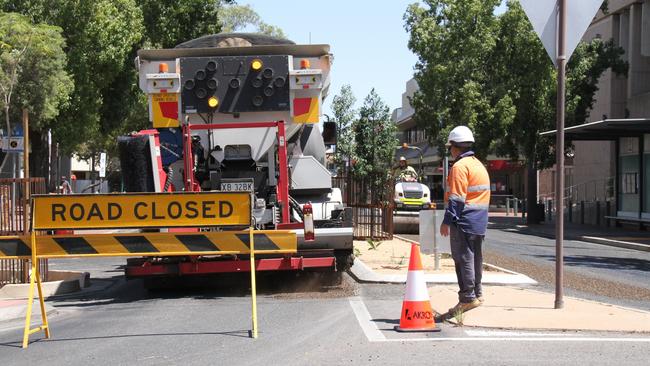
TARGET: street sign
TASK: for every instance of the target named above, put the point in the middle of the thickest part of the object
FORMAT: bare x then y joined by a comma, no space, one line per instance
102,165
13,144
96,211
543,15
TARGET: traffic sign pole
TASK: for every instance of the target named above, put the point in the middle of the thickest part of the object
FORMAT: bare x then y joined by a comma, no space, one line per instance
559,156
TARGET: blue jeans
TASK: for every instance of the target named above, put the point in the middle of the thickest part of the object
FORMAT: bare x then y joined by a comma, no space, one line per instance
468,260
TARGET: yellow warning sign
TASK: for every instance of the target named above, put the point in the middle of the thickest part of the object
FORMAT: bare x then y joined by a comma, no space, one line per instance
165,110
97,211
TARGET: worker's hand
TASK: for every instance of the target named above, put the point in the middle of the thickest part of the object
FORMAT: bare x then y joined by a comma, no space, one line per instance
444,230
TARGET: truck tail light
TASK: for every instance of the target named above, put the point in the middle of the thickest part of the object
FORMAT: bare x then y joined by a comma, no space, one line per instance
308,221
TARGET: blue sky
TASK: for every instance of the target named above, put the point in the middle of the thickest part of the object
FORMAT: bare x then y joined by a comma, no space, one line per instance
367,39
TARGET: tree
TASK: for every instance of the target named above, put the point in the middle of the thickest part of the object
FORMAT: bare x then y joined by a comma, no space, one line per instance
344,115
453,40
100,36
374,143
170,22
492,73
530,79
235,18
32,72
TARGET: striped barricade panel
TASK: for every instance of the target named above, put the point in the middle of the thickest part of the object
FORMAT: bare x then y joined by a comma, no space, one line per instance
149,244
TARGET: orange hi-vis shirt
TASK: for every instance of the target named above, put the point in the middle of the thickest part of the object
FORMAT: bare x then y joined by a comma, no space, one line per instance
468,195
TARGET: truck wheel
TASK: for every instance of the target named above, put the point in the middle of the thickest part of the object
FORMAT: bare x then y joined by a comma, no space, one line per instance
344,260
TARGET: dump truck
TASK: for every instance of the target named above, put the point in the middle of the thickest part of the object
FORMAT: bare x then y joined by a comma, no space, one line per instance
241,112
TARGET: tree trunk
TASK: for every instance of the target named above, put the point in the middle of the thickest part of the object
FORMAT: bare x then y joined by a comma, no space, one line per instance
532,215
38,158
54,168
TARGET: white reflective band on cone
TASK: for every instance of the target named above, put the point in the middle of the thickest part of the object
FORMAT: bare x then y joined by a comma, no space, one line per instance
416,287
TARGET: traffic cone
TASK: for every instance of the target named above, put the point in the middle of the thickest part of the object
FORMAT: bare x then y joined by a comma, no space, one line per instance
417,314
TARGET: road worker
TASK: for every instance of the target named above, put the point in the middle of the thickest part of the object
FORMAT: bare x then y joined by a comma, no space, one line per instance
406,173
466,216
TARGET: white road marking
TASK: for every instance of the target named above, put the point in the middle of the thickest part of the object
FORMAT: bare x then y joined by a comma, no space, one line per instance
508,333
521,339
368,326
373,333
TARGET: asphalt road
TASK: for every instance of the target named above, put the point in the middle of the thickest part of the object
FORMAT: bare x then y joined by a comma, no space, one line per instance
301,323
599,272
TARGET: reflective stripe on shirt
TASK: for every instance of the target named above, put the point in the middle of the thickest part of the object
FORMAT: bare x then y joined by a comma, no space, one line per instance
478,188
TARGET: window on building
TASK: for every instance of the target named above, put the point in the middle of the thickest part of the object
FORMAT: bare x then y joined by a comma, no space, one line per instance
646,175
415,135
628,176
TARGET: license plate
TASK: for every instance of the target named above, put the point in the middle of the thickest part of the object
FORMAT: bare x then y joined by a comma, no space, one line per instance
237,187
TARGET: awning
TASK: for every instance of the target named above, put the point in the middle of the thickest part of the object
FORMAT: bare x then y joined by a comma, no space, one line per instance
608,129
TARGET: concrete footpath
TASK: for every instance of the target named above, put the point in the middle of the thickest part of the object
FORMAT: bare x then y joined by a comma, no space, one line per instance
14,309
512,300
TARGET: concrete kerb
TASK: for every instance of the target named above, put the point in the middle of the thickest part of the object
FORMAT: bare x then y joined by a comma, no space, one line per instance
364,274
584,238
616,243
61,282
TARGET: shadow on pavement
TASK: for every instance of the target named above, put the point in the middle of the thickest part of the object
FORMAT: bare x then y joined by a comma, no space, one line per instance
236,333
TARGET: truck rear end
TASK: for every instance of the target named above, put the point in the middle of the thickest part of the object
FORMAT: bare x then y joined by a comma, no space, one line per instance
240,112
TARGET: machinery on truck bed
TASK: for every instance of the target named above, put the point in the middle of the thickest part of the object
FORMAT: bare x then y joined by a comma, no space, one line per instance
240,112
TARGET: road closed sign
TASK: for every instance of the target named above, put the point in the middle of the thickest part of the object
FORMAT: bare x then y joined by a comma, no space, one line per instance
101,211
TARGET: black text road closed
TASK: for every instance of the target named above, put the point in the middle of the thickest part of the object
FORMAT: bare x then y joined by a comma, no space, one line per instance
141,210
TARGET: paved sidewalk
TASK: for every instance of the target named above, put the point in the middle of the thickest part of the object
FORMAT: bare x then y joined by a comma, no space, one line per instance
388,261
513,307
13,310
618,237
508,304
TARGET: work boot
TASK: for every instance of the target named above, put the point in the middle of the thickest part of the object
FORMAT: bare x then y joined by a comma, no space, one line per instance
465,306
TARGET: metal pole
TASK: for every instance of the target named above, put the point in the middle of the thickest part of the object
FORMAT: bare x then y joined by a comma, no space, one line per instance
436,255
559,152
27,192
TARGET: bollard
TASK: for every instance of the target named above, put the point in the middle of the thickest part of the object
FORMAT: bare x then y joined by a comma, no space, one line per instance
597,213
516,208
507,206
570,209
582,212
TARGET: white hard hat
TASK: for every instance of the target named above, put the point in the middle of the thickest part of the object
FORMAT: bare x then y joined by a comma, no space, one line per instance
460,134
401,158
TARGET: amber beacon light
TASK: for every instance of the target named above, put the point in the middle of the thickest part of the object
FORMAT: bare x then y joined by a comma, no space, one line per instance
213,102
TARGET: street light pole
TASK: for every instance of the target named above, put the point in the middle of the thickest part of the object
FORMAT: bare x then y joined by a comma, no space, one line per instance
559,156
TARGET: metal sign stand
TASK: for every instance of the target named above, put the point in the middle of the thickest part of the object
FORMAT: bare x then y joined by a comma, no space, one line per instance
34,277
253,282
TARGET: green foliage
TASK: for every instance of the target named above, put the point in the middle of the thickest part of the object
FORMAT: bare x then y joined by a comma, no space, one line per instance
170,22
492,73
374,135
372,244
531,83
32,70
344,115
237,17
453,40
102,38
